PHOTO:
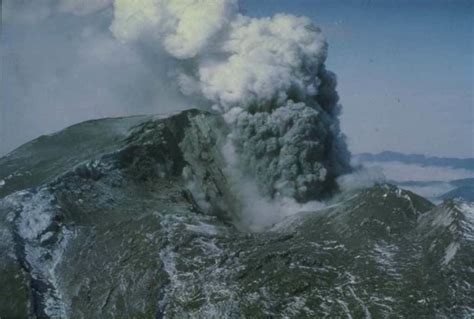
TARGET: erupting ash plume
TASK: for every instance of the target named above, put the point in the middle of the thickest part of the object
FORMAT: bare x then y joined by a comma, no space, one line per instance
267,76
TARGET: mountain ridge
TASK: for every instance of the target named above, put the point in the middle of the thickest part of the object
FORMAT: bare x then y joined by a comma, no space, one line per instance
146,227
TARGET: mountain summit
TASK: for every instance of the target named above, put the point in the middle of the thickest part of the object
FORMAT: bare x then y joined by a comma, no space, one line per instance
136,217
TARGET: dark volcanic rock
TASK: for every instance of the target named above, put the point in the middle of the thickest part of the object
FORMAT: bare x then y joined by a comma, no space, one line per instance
133,218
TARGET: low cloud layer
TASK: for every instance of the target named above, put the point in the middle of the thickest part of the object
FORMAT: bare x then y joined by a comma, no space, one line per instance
401,172
228,58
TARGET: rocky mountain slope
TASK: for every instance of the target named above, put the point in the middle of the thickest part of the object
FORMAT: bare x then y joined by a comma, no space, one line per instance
134,217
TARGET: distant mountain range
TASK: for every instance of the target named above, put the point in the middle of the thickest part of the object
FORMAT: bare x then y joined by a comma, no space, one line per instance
464,192
435,190
465,182
388,156
461,188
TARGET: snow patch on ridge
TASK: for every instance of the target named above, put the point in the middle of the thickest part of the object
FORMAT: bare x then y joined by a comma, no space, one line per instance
450,252
44,240
467,223
384,255
204,277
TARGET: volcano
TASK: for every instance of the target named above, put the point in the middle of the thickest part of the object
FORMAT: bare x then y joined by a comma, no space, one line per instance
136,217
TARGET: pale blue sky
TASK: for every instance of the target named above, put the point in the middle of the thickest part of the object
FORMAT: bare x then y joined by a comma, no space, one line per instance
405,70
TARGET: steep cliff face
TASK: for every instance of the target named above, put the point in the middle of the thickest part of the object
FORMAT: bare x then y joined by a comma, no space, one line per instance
84,215
136,217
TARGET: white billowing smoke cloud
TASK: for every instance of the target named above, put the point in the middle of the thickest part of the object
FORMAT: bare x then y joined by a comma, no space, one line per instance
237,60
184,27
266,75
268,59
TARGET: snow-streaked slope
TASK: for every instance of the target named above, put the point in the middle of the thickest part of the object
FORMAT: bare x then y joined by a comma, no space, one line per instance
144,227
